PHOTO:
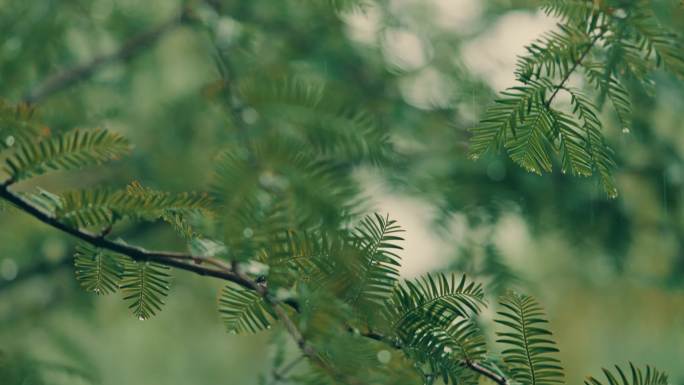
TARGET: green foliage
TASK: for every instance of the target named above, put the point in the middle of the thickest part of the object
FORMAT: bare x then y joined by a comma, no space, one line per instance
415,304
145,285
305,112
378,272
97,270
286,198
103,207
635,376
18,125
67,151
533,126
530,348
243,310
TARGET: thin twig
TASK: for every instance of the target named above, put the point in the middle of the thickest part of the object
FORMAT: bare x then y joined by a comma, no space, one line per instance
584,54
67,77
178,260
279,374
474,366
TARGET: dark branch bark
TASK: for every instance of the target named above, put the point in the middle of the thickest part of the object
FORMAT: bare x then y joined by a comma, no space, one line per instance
178,260
65,78
182,261
474,366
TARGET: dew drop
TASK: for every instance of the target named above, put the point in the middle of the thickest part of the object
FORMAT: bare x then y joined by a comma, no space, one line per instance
384,356
447,350
625,130
9,141
141,318
247,232
8,269
250,115
613,193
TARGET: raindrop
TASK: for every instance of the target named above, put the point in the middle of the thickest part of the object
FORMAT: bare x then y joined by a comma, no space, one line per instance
141,318
612,194
384,356
620,13
625,130
247,232
250,115
8,269
447,350
232,332
9,141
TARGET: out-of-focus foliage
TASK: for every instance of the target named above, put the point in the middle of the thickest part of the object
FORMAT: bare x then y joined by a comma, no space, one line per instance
279,110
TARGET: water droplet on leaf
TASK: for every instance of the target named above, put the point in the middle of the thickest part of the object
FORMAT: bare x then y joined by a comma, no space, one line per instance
625,130
9,141
384,356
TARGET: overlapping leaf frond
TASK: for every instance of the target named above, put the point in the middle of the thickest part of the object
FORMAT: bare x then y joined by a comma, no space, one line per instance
432,319
593,143
67,151
578,12
304,112
18,125
432,296
654,40
145,285
97,270
554,54
445,345
520,121
635,376
243,311
98,207
530,354
377,272
281,189
611,88
610,41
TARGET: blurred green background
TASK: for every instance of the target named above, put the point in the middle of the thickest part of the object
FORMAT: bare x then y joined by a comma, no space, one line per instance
609,272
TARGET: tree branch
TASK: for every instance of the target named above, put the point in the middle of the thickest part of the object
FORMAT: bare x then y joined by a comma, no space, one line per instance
565,78
179,260
474,366
67,77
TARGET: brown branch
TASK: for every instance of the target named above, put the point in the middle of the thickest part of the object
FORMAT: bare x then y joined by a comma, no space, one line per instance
67,77
179,260
474,366
173,259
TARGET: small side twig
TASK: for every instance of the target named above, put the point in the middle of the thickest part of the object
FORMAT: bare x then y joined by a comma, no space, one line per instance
67,77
